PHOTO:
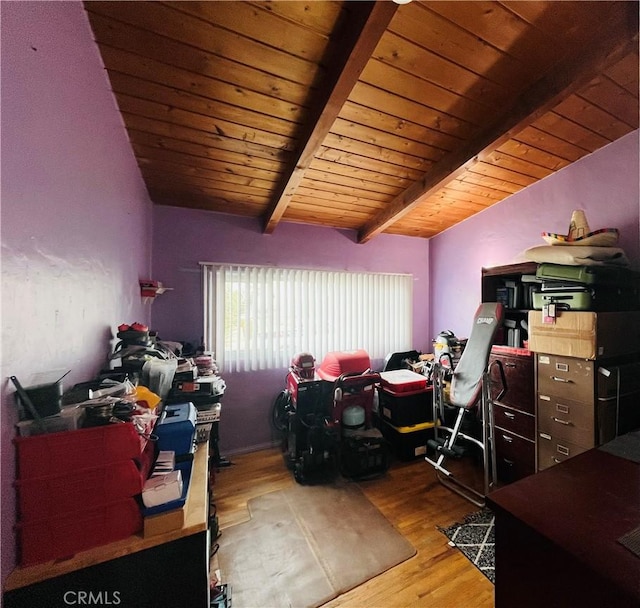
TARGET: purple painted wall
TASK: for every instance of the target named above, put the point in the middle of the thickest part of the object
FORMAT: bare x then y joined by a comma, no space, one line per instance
76,218
604,184
77,230
182,238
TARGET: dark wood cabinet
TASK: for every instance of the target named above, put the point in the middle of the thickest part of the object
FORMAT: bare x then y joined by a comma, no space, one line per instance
511,373
557,534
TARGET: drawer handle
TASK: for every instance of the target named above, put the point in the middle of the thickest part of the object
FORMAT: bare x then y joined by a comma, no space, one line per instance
556,460
558,379
560,421
507,438
509,415
507,462
509,364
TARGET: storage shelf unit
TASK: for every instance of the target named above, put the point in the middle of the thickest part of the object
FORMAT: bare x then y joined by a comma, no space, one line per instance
505,284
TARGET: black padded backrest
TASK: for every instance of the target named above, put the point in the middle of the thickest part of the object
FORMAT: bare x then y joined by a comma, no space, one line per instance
467,377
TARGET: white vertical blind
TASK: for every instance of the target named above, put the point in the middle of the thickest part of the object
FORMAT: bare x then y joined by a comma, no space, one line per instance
258,317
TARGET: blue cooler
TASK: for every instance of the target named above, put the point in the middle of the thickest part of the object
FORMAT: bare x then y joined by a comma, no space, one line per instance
176,428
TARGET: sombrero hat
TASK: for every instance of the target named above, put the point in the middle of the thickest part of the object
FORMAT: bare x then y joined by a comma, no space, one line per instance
581,234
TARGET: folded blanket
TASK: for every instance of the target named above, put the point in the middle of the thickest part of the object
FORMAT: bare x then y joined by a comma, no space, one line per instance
576,255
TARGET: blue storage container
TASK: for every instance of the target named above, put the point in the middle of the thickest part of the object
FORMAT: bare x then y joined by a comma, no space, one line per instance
176,428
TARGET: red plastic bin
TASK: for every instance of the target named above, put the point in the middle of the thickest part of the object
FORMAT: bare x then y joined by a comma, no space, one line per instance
41,497
66,452
62,537
403,381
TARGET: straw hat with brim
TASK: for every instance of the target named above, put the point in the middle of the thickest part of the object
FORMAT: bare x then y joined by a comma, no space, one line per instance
581,234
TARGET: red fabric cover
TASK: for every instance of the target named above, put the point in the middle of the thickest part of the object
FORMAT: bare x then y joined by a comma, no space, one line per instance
344,362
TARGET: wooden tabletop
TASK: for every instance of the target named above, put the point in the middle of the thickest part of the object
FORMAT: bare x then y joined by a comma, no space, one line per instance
583,505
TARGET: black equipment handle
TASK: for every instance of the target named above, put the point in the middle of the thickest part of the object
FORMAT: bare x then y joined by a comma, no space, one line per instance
503,378
28,403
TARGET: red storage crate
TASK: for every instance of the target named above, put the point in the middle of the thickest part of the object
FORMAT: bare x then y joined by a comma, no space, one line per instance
61,537
43,497
66,452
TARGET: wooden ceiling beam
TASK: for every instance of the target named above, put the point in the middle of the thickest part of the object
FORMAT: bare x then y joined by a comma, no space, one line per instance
609,46
353,47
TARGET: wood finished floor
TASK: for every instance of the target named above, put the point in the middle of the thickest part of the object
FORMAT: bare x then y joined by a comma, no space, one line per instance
411,498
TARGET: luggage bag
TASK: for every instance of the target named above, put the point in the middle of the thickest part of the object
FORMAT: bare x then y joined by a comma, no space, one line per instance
595,299
585,275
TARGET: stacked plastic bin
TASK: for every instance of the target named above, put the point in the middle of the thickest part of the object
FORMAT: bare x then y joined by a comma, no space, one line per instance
405,412
78,489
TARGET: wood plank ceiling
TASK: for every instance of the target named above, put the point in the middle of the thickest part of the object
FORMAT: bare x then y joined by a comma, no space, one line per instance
365,115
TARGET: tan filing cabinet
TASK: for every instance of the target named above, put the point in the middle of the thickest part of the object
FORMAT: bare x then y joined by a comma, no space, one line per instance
579,404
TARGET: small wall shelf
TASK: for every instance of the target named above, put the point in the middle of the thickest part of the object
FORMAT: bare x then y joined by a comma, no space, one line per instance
151,289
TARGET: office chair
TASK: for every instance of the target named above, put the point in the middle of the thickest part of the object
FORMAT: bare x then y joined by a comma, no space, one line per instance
466,389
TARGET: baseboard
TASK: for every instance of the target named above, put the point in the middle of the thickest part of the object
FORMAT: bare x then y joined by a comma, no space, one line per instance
253,448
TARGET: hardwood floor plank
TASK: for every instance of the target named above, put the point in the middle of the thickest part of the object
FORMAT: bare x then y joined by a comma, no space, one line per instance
411,498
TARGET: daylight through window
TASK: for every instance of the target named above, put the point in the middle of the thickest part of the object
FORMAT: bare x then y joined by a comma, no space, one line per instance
258,317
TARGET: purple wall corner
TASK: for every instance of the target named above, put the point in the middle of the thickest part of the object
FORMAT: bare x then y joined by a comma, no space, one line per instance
76,217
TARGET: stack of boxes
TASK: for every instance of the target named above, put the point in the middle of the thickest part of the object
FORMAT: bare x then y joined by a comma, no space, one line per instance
405,412
77,490
587,387
197,381
175,430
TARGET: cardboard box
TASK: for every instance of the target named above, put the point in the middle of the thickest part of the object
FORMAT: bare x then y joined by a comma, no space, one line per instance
585,335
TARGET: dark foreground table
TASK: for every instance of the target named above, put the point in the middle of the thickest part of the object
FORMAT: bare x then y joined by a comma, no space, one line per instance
557,535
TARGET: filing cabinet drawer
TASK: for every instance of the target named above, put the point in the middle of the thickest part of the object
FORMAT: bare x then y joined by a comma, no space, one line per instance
566,419
515,456
571,378
512,380
552,450
514,421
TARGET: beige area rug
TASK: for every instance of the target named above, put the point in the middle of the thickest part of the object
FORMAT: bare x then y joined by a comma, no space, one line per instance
305,545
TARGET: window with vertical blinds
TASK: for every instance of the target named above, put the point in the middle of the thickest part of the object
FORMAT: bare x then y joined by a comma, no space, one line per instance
258,317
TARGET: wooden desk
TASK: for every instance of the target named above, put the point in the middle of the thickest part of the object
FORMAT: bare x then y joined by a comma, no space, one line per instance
557,531
169,570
